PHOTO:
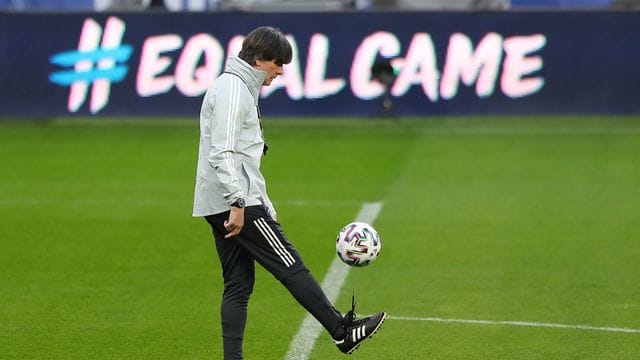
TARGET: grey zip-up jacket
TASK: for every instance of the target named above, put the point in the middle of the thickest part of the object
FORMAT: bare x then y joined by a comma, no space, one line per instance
231,142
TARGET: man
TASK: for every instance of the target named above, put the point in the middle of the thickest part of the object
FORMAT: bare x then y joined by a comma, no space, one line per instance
230,193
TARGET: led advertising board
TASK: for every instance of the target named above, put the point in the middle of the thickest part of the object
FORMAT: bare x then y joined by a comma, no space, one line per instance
442,62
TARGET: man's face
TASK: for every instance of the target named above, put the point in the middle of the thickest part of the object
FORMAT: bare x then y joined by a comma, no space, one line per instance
273,68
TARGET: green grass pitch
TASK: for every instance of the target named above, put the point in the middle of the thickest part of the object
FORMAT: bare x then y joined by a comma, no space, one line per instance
496,220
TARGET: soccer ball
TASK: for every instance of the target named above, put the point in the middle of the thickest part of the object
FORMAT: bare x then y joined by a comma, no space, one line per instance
358,244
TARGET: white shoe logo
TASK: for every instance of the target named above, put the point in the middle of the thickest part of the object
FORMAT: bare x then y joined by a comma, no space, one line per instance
358,333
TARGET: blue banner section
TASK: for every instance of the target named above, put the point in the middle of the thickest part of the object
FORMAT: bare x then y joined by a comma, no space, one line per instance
428,63
47,5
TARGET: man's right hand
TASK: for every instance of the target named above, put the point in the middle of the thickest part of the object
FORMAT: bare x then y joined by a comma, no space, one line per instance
235,222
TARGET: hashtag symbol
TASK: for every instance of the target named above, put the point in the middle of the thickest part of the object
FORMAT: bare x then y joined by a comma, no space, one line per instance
93,64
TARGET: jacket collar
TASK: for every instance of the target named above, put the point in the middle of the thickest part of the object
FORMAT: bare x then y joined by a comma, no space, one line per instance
251,76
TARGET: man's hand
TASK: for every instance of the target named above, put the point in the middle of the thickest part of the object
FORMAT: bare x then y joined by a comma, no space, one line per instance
235,222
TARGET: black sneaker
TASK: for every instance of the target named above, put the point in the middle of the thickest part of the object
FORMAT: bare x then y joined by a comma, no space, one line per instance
358,330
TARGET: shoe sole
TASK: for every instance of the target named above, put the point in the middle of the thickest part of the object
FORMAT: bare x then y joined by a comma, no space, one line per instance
384,316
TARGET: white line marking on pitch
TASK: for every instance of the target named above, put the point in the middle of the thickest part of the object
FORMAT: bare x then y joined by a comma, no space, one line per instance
515,323
148,202
305,338
529,131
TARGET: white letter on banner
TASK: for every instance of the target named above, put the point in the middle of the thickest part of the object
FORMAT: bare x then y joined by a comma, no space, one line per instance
190,79
419,67
235,45
152,64
516,65
291,78
361,84
315,85
111,38
89,39
462,63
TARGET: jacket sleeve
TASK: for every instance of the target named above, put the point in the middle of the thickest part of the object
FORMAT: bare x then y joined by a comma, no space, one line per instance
228,111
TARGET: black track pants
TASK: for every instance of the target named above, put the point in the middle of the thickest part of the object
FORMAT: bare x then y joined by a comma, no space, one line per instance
262,240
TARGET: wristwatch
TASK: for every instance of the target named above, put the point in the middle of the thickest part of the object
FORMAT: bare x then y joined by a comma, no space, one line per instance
239,203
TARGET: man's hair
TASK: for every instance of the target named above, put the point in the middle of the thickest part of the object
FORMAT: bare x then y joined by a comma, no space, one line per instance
266,43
